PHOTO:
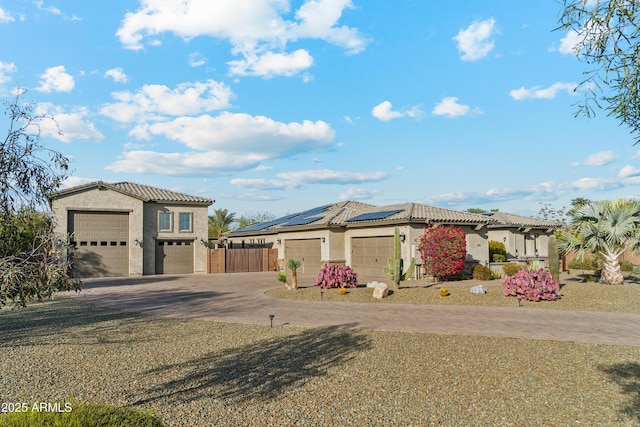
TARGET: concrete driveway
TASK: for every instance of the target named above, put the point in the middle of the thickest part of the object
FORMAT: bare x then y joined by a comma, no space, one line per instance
240,298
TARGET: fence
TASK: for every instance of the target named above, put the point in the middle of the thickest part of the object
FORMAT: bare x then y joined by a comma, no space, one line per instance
242,260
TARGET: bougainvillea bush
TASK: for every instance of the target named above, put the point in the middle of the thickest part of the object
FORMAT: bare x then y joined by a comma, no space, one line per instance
443,251
532,285
337,276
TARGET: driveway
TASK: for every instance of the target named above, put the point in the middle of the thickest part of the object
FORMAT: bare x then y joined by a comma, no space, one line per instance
240,298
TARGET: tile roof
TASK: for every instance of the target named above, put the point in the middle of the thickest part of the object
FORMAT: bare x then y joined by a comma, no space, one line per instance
342,214
502,219
143,192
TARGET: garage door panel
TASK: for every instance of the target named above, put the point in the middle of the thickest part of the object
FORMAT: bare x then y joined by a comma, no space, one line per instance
174,257
308,251
369,255
101,241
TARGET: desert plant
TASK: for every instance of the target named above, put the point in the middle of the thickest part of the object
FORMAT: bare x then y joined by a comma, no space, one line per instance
511,268
554,258
499,258
497,248
293,265
337,276
394,269
532,285
282,277
626,266
607,228
443,251
481,272
496,274
587,263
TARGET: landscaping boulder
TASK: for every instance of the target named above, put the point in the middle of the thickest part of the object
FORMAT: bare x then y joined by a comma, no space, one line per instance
380,291
479,289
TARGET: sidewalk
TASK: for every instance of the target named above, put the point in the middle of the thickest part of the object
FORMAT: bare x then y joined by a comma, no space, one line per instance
240,298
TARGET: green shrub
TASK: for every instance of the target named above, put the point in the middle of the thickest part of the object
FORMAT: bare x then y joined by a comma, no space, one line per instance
499,258
588,263
481,272
497,248
82,415
496,274
511,268
626,266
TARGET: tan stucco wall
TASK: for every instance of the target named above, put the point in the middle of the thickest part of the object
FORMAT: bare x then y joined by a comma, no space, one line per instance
104,201
199,234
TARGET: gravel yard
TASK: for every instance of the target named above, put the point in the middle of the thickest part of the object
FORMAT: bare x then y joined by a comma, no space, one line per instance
195,372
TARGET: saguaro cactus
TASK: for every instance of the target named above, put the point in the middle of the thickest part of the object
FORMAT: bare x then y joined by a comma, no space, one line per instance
394,268
554,262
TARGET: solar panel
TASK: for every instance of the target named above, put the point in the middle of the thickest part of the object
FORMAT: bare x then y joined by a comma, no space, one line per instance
315,211
369,216
265,225
302,220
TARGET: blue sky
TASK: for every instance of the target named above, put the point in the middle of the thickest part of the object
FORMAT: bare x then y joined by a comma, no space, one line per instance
279,106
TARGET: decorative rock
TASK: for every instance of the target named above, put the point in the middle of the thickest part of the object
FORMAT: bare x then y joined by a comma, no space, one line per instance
381,290
479,289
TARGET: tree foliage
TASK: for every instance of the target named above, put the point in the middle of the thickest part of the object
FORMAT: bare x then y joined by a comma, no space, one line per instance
257,218
220,222
32,262
607,228
443,251
607,34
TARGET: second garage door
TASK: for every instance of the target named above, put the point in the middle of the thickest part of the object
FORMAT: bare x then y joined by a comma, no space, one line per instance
369,255
305,250
174,257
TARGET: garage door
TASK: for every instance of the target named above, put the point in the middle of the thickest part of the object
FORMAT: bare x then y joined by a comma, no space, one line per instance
102,243
305,250
369,255
174,256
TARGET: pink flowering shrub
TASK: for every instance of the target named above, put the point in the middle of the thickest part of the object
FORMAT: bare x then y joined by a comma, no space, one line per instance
337,276
532,285
443,251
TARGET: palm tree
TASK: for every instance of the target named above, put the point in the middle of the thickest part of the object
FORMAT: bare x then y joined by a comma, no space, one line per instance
220,221
607,228
293,265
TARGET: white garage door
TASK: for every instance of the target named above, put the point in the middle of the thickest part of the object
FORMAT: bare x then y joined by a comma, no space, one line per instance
307,251
369,255
101,240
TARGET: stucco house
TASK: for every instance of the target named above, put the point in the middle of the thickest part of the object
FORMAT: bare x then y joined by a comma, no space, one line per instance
524,237
358,234
128,229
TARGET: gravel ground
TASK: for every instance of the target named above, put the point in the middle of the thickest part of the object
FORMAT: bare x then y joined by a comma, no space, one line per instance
200,373
575,295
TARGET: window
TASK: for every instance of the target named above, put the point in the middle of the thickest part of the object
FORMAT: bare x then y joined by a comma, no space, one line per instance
164,221
185,222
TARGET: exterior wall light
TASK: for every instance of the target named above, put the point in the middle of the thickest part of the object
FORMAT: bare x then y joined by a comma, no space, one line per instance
137,242
403,237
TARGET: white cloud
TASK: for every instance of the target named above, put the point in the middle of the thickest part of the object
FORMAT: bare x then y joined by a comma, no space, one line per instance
68,126
117,74
271,64
475,42
600,159
569,43
156,102
5,70
450,107
628,171
257,29
5,17
538,92
56,79
196,59
601,184
384,111
359,194
264,184
326,176
224,143
51,9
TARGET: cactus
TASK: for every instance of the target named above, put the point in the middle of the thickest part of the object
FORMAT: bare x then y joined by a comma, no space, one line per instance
554,262
394,268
